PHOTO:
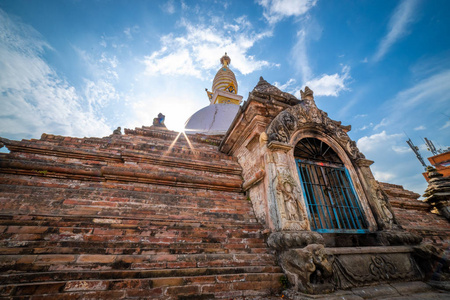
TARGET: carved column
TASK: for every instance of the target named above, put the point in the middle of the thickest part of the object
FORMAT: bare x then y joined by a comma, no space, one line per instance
377,199
284,190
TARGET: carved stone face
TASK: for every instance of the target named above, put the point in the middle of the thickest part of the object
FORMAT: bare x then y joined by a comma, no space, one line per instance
289,122
288,187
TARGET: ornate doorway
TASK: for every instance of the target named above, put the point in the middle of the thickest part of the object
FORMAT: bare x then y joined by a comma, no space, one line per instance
332,203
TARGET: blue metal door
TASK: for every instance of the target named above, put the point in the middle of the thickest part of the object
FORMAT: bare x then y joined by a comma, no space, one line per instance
331,200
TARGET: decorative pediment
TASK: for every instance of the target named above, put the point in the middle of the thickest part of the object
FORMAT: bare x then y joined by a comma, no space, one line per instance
266,90
307,115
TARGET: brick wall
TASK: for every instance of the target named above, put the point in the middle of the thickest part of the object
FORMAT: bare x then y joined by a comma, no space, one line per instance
415,216
146,214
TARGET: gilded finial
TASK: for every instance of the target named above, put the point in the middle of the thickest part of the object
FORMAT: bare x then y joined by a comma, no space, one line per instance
225,60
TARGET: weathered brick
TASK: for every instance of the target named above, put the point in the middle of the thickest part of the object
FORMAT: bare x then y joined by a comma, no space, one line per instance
169,281
183,290
55,258
96,258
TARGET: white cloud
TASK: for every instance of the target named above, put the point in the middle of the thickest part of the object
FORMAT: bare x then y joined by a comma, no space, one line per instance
33,98
171,63
168,7
300,56
330,85
401,149
377,141
276,10
365,127
129,31
446,125
198,50
421,127
383,176
394,161
361,116
383,123
428,99
398,26
286,86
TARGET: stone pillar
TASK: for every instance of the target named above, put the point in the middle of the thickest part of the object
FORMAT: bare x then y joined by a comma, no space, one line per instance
378,200
284,190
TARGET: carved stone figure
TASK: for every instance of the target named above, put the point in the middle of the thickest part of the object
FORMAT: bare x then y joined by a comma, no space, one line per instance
289,201
309,269
287,191
159,121
279,134
285,240
386,210
117,131
353,149
289,121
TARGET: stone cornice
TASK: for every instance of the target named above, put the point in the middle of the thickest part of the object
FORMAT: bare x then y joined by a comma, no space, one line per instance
274,146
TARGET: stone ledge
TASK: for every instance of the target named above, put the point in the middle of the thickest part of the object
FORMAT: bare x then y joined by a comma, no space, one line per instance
416,290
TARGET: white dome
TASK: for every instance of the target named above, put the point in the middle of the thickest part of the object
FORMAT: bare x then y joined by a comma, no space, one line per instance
214,119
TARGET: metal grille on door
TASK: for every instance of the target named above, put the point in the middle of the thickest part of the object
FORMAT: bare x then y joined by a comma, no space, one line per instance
332,203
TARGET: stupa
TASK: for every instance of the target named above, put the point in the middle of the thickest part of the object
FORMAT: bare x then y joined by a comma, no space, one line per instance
216,118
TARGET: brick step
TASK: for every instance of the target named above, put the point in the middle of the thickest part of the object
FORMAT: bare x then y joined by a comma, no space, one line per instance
165,198
121,222
167,176
219,217
35,185
46,151
161,235
119,192
110,147
25,244
30,277
94,212
45,247
147,145
202,286
78,262
152,202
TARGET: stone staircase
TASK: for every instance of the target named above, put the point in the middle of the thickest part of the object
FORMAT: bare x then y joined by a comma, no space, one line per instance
149,214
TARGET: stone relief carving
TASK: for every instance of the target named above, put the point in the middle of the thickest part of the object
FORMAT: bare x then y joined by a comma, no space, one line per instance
294,239
351,271
309,269
307,113
381,268
287,189
288,195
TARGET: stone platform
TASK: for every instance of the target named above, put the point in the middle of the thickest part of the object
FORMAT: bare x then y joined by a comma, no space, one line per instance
415,290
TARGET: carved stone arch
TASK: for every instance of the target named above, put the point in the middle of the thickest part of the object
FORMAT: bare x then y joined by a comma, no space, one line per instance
288,122
313,132
319,133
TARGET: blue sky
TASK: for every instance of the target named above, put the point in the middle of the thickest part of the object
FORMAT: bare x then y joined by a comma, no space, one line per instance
83,68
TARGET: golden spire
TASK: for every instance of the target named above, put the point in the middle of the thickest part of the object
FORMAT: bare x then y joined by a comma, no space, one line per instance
224,87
